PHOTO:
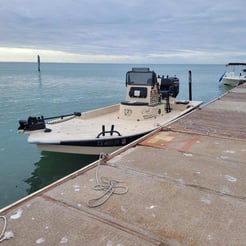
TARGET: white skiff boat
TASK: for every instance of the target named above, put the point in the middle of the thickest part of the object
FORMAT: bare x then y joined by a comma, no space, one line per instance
233,75
149,103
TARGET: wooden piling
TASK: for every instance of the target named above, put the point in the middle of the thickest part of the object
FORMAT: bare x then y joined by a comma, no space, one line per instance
38,63
190,86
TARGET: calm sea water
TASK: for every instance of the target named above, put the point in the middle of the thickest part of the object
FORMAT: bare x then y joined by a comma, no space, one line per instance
63,89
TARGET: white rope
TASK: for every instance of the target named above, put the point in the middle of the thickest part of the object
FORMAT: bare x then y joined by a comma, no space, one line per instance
4,228
109,187
5,235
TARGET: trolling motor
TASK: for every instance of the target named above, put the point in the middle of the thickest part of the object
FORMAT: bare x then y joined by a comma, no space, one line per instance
32,123
38,123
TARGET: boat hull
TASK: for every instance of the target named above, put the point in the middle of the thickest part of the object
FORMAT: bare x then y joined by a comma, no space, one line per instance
92,147
233,81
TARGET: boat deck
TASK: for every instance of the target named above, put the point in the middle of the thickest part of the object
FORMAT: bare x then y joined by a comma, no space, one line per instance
186,186
90,124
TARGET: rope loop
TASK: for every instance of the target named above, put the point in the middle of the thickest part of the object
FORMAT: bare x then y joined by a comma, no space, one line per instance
4,228
108,186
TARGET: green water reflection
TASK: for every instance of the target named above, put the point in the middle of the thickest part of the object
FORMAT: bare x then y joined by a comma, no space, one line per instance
53,166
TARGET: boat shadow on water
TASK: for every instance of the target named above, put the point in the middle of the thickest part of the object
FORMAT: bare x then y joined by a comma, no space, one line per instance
54,166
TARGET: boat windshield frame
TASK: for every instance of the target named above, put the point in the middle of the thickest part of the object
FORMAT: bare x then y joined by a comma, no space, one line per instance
235,64
142,76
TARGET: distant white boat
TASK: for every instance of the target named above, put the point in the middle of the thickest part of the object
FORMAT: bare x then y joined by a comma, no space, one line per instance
149,103
235,74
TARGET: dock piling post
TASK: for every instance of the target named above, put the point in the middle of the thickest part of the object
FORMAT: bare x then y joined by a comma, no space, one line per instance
190,86
38,63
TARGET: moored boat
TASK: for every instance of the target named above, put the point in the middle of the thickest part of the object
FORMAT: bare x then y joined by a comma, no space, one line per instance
235,74
150,102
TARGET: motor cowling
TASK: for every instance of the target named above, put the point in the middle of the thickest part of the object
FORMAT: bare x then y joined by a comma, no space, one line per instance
32,124
170,86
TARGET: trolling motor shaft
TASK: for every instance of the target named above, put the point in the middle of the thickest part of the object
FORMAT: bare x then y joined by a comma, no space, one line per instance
38,123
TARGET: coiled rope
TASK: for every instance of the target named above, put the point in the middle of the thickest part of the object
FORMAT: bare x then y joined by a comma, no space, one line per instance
109,186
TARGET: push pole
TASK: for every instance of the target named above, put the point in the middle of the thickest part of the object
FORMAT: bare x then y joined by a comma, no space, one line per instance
190,86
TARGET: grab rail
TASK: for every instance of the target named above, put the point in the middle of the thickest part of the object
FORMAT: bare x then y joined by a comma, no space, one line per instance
111,132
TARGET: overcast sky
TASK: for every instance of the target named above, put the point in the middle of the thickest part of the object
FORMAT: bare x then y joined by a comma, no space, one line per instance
118,31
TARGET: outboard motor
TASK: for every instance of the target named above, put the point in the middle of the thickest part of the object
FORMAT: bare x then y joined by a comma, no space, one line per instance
170,86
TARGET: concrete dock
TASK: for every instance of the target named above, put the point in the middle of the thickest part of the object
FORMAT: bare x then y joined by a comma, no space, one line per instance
183,184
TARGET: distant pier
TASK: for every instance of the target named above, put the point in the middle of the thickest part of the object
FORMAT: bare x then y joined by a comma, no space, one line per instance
184,185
